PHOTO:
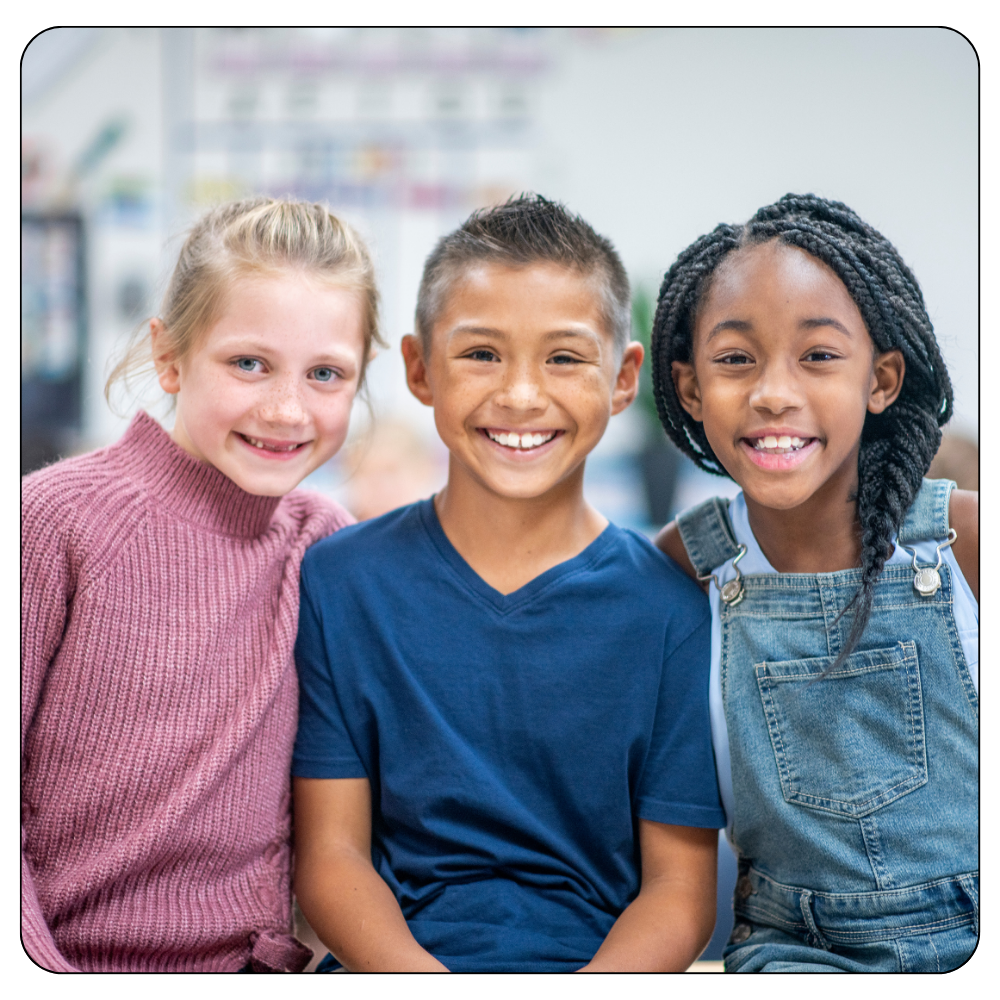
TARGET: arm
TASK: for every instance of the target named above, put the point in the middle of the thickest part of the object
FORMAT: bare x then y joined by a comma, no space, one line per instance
342,896
45,585
963,512
667,926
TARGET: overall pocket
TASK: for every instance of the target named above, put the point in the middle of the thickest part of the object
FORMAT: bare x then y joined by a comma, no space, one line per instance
853,741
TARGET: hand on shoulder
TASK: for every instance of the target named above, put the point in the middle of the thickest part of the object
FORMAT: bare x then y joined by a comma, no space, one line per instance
669,542
963,514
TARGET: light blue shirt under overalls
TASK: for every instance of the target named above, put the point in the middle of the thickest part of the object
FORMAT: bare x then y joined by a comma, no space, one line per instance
855,812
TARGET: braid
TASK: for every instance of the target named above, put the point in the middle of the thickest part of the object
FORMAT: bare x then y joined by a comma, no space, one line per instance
897,445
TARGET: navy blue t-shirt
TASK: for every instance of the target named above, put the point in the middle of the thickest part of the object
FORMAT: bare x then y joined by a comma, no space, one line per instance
511,741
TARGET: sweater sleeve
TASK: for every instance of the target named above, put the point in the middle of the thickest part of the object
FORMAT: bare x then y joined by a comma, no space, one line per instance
45,588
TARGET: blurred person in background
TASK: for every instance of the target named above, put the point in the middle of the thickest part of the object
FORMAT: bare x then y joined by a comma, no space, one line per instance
957,459
389,466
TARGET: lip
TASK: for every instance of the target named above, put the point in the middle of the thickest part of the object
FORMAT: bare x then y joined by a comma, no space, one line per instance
266,453
779,463
778,432
516,454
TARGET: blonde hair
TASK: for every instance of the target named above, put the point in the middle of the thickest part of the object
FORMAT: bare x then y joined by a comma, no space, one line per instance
255,236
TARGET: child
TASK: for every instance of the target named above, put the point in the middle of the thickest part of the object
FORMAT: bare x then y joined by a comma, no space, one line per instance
159,609
795,355
494,733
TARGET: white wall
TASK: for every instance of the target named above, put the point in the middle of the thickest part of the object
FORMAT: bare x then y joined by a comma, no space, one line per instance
658,136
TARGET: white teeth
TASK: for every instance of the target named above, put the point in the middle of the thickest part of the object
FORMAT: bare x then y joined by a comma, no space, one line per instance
781,444
521,441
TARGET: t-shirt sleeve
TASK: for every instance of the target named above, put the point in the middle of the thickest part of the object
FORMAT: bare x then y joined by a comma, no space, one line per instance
679,784
323,745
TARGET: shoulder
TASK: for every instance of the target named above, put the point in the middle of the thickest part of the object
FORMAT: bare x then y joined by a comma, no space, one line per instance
963,512
963,515
651,567
84,496
76,516
314,514
375,545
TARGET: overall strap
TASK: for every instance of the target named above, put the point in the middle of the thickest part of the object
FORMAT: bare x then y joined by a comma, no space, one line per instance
927,517
707,534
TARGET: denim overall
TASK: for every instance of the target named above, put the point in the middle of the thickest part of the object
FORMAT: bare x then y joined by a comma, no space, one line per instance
856,795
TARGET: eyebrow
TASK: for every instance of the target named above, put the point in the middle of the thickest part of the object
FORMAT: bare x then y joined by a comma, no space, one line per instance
493,332
473,329
744,326
237,346
558,334
740,325
812,324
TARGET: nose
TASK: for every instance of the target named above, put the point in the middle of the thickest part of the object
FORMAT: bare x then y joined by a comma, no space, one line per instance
776,389
521,389
283,405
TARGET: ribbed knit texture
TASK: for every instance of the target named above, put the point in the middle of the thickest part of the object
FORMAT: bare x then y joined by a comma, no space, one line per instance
158,711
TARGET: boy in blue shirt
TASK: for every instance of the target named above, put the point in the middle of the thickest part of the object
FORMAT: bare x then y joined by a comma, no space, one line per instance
504,759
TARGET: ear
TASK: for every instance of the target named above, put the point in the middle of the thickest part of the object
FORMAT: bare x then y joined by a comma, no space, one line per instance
416,369
686,384
627,382
167,371
887,380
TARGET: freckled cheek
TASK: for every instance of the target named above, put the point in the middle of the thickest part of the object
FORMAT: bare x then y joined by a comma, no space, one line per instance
208,408
336,418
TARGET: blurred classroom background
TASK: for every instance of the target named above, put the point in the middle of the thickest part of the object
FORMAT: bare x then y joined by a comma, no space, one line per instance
653,135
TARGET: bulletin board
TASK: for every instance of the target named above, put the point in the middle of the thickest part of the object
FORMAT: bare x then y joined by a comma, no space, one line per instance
53,336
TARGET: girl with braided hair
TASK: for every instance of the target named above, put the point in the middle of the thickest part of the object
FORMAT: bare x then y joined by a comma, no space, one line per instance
795,355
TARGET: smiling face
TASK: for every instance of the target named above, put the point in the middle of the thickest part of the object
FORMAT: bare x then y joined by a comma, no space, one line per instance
783,373
265,394
523,377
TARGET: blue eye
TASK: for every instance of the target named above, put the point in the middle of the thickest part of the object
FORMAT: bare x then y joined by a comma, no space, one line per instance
324,374
247,364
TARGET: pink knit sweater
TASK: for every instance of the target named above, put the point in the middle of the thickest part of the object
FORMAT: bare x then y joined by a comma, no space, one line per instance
158,710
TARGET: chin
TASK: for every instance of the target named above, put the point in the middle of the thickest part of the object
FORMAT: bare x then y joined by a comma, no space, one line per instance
521,490
275,491
264,486
776,499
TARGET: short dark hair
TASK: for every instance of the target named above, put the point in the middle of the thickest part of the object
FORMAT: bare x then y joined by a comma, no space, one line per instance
526,229
897,445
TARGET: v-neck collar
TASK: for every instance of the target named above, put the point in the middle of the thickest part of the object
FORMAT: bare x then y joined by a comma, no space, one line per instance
506,603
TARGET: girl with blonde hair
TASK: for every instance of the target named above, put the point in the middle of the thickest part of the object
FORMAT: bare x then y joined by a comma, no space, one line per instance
160,582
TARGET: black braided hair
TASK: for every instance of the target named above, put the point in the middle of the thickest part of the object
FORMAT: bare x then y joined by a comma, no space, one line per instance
897,445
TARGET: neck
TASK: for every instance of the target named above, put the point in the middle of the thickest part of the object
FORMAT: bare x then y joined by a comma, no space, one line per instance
509,541
821,535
